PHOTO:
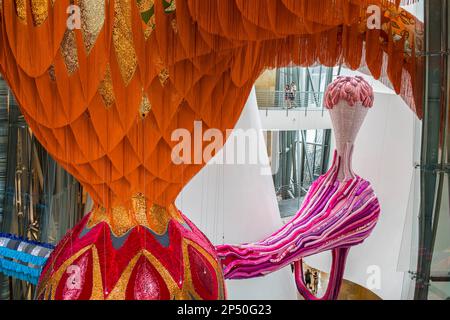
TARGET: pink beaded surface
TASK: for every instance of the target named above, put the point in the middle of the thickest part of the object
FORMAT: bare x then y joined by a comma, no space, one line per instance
350,89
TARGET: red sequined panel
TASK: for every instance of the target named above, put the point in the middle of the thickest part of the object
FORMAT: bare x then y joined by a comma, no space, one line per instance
94,263
203,275
145,283
76,282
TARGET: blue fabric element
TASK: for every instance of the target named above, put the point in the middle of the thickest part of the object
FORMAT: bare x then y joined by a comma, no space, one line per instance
15,237
14,263
118,242
22,256
163,239
20,271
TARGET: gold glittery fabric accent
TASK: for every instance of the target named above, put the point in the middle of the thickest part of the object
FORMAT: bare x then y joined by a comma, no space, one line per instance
172,7
121,219
21,10
123,40
140,208
158,219
122,222
163,76
145,107
39,9
51,72
150,27
98,215
146,8
175,214
92,20
145,5
106,88
69,51
173,23
97,285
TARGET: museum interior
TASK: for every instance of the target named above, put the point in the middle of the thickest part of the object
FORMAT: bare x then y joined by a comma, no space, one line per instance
224,149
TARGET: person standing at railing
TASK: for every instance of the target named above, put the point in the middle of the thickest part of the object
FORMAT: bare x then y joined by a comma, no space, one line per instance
287,96
293,93
315,284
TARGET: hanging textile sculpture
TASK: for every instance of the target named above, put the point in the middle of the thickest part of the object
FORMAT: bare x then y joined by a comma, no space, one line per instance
340,209
22,259
104,99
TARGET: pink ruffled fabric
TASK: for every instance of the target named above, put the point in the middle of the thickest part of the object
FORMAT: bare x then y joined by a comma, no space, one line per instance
350,89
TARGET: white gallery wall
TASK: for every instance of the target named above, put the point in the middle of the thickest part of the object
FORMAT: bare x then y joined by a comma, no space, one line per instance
237,204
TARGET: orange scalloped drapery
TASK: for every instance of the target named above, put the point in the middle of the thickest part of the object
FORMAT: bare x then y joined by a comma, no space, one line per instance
104,99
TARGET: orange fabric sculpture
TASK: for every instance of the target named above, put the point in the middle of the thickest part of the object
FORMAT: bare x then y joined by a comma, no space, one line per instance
104,99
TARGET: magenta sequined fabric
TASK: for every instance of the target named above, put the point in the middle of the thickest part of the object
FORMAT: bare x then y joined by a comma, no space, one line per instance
334,215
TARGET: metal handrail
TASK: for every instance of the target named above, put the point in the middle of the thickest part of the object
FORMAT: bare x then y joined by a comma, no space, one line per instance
304,187
268,99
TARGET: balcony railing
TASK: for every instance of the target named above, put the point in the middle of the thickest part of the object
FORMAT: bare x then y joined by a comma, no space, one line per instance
279,99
